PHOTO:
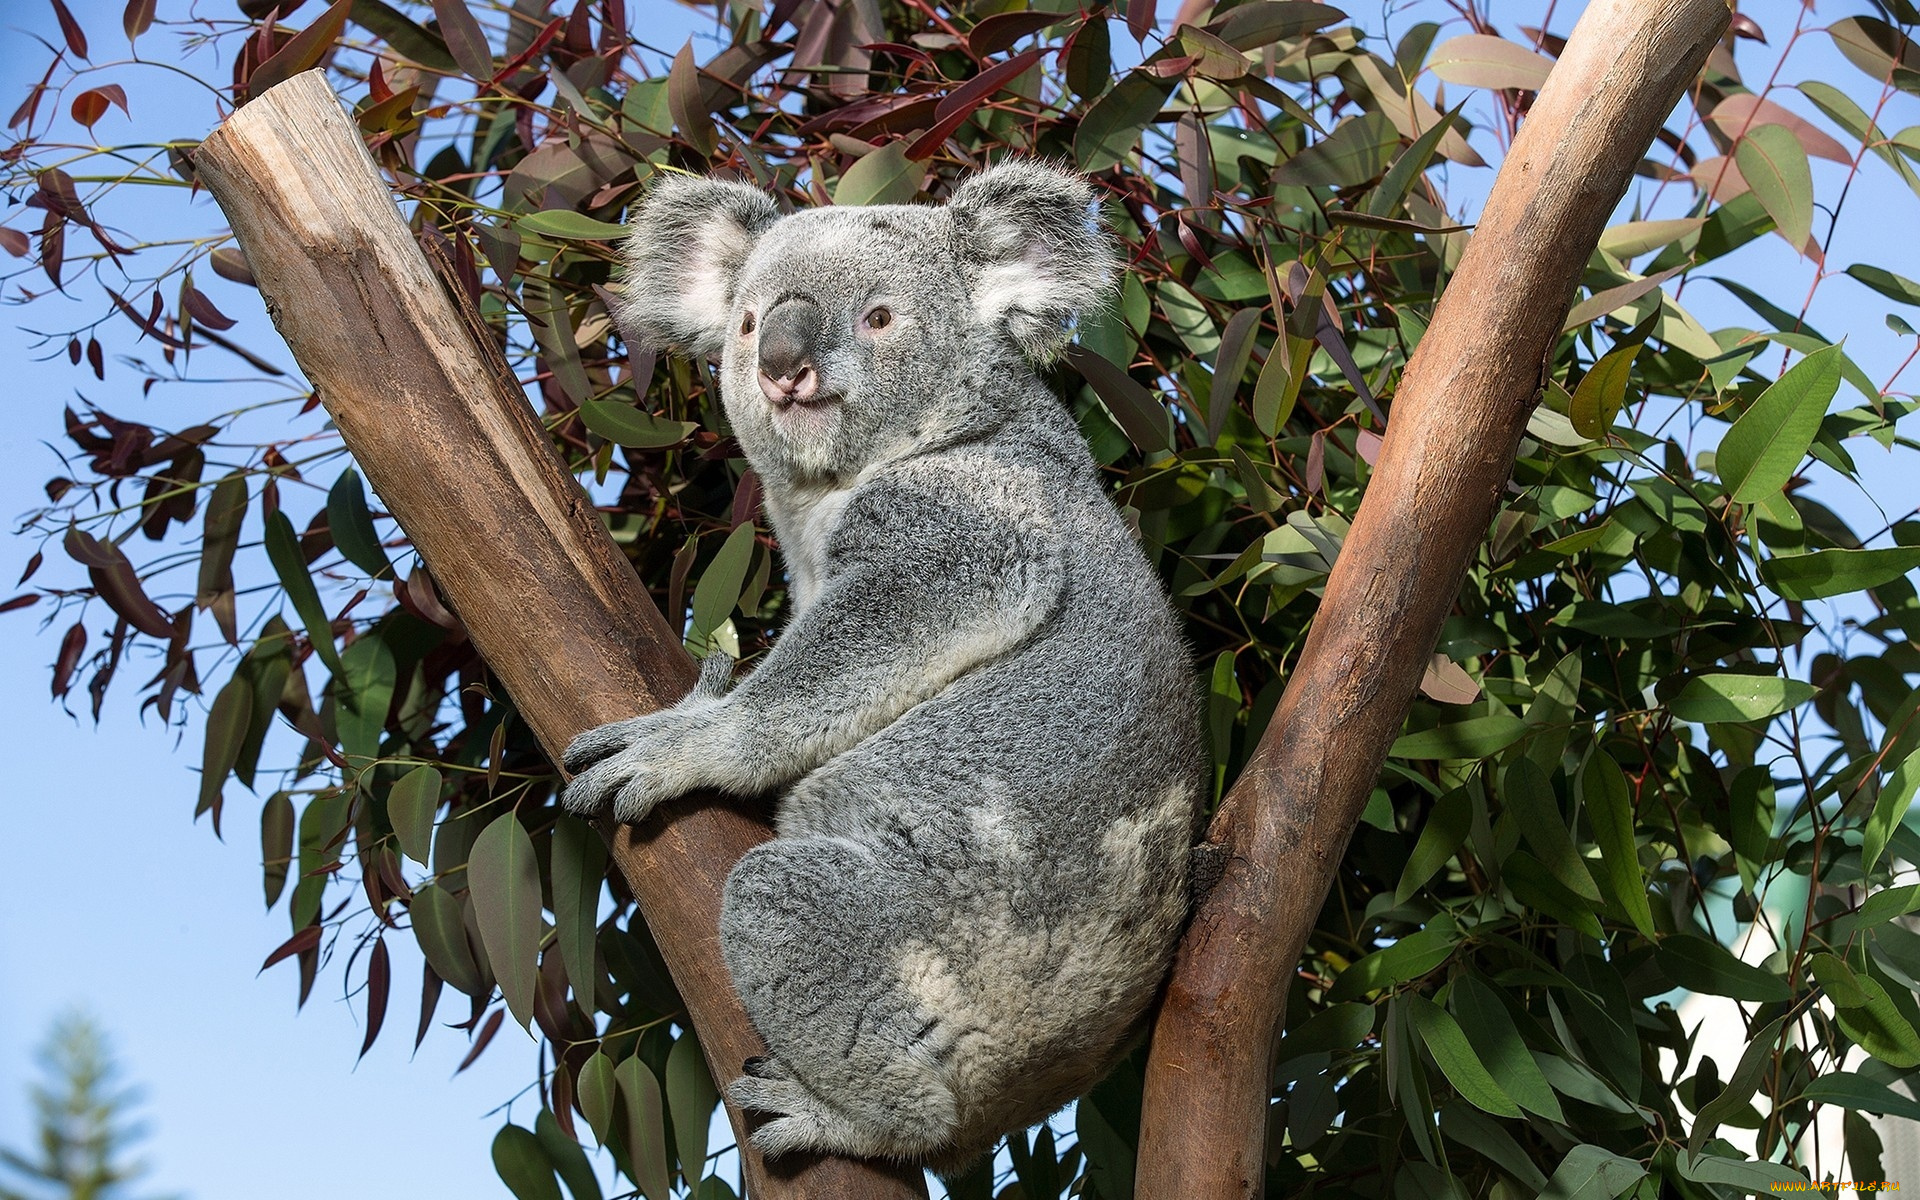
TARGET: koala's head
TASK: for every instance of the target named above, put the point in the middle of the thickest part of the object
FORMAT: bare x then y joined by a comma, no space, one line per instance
849,335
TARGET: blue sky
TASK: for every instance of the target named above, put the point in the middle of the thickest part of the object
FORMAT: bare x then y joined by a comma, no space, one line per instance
114,900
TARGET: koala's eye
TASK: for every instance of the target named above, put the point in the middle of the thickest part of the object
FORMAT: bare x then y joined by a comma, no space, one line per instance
880,318
746,324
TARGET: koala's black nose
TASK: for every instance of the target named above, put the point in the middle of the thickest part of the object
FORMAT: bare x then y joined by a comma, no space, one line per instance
789,338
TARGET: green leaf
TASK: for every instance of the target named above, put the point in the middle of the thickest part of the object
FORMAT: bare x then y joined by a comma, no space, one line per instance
646,1128
1490,1141
1475,737
1142,417
1825,573
276,844
1601,392
567,224
1631,239
283,550
1774,164
883,176
411,806
523,1165
596,1091
1236,349
691,1096
351,523
1889,810
1447,1042
440,927
567,1157
363,692
227,723
1336,1029
1112,127
1485,61
504,880
1740,1085
1610,812
1273,398
1729,699
1529,797
625,425
1893,287
1189,317
1867,1013
1766,445
1497,1043
1445,829
406,37
1709,968
1359,148
1590,1173
1407,959
1849,1090
1756,1178
578,867
718,591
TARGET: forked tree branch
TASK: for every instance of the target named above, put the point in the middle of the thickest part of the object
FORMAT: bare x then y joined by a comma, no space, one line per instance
437,422
1450,445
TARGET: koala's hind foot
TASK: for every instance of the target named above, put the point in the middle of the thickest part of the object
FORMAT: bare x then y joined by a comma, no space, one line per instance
802,1121
811,930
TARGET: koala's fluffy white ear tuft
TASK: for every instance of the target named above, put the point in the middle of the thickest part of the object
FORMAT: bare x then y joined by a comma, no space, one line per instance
690,237
1038,255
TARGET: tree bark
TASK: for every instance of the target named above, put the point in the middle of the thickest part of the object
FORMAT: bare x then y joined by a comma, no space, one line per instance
1450,444
435,419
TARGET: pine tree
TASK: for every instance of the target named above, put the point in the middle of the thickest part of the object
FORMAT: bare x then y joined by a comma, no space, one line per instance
84,1136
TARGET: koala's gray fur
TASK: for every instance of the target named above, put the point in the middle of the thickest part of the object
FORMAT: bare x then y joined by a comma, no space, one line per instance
981,715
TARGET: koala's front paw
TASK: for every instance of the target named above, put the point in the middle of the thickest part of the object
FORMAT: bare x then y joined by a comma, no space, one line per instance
596,744
624,781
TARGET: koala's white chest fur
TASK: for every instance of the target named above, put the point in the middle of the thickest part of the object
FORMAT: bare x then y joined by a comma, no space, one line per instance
805,518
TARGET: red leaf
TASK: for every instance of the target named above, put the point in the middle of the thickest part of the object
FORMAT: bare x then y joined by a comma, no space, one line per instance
33,565
429,1000
303,53
377,86
96,358
1000,31
20,601
116,583
1140,18
76,39
480,1044
1317,462
151,327
969,96
14,242
71,647
1746,27
204,313
89,106
300,942
378,981
464,37
229,263
138,18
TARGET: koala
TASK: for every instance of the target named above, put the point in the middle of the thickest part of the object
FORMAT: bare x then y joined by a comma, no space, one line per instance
981,721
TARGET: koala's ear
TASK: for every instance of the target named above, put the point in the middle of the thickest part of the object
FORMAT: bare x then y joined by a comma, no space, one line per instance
1038,257
689,239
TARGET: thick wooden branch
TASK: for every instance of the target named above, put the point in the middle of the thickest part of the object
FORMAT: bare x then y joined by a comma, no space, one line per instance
1450,444
445,435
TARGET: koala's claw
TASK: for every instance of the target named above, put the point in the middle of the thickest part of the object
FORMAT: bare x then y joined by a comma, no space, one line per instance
596,744
622,782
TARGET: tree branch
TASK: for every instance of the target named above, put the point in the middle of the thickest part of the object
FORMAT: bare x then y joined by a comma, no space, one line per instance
1450,444
443,432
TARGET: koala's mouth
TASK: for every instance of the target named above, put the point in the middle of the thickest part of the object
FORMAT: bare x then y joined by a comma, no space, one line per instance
817,400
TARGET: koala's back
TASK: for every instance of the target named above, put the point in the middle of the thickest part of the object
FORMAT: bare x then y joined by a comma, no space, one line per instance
1040,808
